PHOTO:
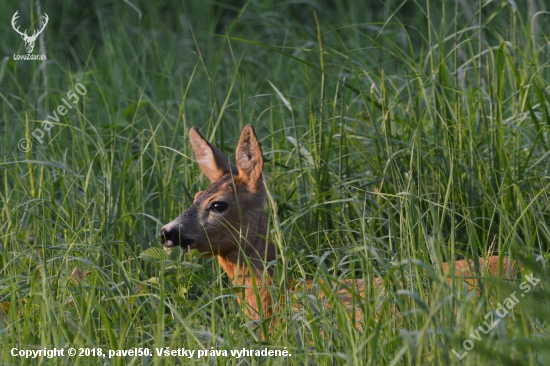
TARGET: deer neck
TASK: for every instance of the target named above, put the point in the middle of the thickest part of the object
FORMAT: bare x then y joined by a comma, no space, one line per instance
246,266
252,255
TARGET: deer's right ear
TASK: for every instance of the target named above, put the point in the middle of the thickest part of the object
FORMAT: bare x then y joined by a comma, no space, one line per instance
249,159
213,163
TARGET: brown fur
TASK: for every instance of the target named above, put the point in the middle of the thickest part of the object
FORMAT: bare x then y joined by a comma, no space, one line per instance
237,235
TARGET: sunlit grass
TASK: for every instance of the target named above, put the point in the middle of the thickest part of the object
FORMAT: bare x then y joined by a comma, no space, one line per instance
394,141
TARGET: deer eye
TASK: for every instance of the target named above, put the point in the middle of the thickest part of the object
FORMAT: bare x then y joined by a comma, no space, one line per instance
219,206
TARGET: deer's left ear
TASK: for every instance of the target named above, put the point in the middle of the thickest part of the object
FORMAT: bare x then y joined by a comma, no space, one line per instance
250,161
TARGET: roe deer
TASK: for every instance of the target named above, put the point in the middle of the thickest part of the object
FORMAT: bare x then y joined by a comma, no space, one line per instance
229,220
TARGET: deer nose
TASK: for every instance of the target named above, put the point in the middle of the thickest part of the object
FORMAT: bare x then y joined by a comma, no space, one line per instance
171,236
162,235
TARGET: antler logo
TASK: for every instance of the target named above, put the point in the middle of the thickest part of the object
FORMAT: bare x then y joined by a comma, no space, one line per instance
29,41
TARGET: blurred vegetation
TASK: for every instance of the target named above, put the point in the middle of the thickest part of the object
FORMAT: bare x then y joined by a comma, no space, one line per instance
397,135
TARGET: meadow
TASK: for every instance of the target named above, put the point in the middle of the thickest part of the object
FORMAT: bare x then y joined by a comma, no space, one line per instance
397,136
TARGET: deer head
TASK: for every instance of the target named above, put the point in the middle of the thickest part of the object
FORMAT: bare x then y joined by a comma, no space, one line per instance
227,219
29,40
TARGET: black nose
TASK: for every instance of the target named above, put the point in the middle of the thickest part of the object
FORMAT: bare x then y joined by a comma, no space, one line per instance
162,236
172,236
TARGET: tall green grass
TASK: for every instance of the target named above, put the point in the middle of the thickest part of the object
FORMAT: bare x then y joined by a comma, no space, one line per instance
396,137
